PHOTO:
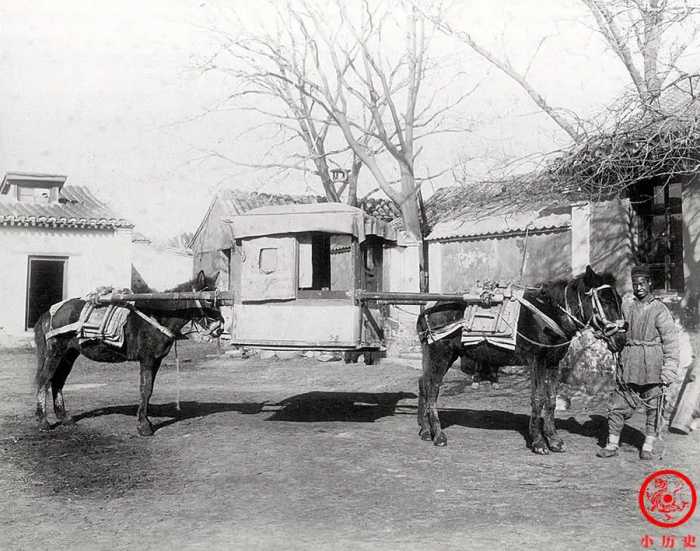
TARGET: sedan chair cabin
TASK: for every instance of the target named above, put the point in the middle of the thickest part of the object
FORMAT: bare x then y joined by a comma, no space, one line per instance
295,270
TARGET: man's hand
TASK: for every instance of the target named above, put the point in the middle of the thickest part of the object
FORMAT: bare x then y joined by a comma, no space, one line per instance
668,377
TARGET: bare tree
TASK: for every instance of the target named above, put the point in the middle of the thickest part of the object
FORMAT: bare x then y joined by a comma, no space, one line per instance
337,68
648,36
256,60
564,118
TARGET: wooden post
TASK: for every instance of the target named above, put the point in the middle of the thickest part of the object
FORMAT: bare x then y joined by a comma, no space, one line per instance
688,400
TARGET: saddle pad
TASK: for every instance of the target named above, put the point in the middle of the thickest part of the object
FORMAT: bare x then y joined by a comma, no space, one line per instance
103,323
496,324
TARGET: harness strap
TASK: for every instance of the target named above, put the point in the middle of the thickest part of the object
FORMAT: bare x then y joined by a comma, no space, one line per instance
71,327
154,323
549,322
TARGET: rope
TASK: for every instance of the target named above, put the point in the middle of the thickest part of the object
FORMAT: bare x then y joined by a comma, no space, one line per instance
403,310
543,345
177,379
637,397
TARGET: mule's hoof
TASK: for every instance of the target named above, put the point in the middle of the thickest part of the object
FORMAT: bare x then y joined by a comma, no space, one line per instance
495,386
440,440
145,430
44,425
425,435
557,446
475,386
540,448
68,420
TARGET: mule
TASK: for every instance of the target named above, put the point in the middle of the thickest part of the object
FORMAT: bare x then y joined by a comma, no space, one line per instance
543,337
144,341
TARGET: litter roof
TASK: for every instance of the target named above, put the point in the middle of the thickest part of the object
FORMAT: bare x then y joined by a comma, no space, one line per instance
325,217
235,201
76,207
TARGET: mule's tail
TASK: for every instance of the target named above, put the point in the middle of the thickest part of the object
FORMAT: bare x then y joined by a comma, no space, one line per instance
40,330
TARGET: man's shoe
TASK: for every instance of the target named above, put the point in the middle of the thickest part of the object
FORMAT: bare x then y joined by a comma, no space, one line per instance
607,452
646,455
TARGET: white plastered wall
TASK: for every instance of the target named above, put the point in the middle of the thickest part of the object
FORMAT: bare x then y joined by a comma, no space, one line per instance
94,258
580,237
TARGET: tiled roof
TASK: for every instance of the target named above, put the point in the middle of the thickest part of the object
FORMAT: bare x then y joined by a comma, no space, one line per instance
238,202
501,224
76,207
522,203
381,208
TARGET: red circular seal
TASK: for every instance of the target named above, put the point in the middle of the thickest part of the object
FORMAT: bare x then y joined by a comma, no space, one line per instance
667,498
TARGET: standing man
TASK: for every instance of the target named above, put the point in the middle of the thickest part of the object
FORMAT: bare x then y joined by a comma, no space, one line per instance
648,364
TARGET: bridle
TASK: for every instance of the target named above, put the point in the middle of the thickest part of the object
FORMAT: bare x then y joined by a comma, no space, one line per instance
205,324
597,320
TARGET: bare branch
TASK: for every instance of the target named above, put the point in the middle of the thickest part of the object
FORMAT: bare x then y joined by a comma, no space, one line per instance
508,69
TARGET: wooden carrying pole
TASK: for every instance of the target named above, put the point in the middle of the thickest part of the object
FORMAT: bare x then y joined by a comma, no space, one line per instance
391,297
220,297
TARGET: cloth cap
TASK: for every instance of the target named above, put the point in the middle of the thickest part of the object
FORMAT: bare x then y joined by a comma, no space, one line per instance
641,271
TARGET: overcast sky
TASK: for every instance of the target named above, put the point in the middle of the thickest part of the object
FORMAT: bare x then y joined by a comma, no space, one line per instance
104,92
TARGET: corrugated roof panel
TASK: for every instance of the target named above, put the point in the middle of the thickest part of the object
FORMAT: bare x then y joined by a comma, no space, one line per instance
499,224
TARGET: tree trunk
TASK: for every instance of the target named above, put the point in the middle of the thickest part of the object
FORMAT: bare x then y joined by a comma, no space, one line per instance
411,215
352,184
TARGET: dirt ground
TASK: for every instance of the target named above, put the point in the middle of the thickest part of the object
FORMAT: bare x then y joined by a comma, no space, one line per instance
301,454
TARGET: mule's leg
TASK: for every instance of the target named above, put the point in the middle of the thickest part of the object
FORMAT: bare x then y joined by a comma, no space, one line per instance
40,377
44,375
551,386
57,382
493,372
149,368
42,390
537,400
423,422
477,376
435,364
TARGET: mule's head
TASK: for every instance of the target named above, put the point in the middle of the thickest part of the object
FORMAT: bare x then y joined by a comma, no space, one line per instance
603,307
207,313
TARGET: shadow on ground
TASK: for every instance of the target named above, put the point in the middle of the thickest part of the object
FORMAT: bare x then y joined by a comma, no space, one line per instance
364,407
359,407
188,410
594,426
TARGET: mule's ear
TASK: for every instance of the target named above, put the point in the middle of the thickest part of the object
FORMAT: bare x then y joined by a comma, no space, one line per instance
590,277
201,279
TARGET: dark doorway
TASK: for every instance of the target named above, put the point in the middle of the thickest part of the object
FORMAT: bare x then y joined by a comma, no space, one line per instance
321,260
45,284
